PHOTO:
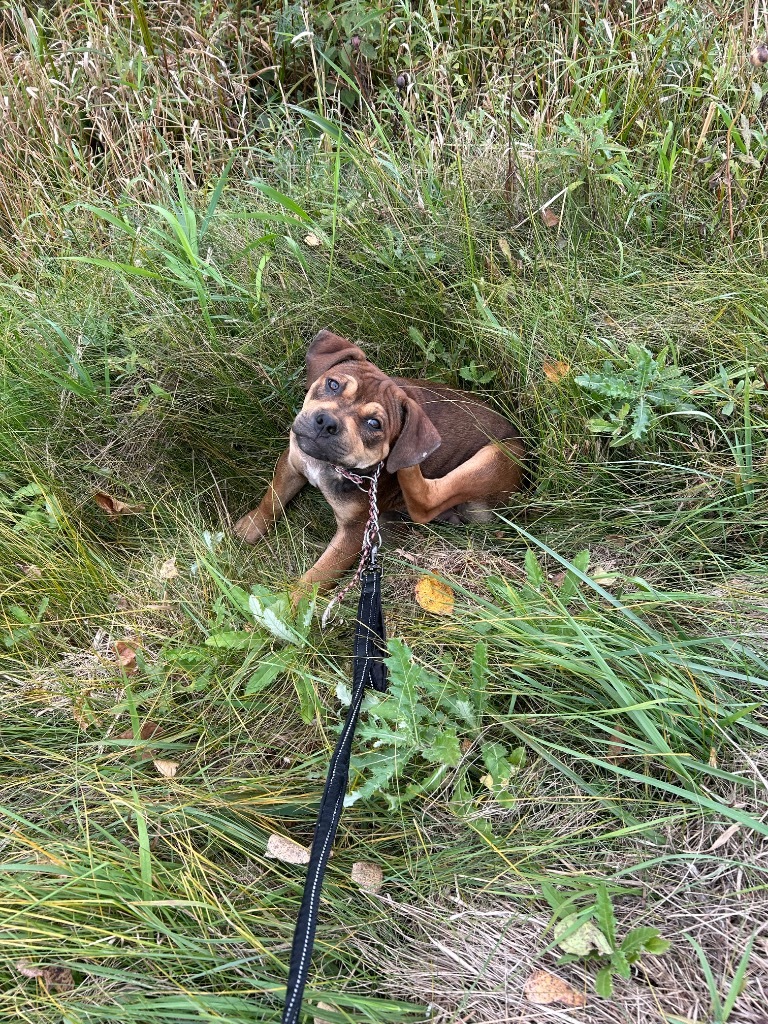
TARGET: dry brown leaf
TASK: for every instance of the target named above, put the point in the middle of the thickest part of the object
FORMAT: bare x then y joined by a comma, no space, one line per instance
556,370
169,570
311,240
81,720
167,769
406,555
325,1006
367,875
148,730
723,839
126,656
543,988
33,571
434,596
55,979
605,577
286,850
550,218
114,506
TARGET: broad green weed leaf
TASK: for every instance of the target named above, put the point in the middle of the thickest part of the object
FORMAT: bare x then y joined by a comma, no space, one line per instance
269,618
305,690
444,749
234,640
581,939
274,664
533,570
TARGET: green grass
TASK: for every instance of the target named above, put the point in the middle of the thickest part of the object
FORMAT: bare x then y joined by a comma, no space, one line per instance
156,298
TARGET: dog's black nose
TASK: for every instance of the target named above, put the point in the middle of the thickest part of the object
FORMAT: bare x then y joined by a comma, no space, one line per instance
326,423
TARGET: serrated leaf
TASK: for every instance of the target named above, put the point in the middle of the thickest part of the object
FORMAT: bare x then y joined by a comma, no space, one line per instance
634,941
444,749
604,915
304,613
620,964
641,419
234,640
479,671
496,761
657,946
533,570
569,588
604,983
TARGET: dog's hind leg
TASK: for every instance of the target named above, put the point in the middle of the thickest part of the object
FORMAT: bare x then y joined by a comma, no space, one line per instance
286,484
491,475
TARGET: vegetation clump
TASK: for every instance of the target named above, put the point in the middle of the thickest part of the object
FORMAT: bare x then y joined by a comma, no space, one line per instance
559,206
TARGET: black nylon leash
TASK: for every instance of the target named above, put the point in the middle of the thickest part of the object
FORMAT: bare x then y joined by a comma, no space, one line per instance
368,670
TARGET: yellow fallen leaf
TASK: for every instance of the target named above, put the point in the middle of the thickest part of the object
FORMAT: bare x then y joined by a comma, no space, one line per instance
504,246
286,850
434,596
543,988
311,240
367,875
556,370
605,577
166,768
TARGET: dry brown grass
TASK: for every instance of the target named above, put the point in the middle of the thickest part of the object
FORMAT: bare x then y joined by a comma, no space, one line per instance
469,954
86,109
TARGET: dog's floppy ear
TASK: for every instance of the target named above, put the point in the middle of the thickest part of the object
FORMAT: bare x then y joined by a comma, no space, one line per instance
327,350
418,438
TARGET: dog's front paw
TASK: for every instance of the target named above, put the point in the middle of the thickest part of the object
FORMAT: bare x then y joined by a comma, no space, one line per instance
249,529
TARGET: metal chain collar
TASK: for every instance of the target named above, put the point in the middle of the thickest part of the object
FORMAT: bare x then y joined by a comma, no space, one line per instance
371,536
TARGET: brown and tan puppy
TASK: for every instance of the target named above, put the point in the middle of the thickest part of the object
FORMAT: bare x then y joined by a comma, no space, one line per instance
446,454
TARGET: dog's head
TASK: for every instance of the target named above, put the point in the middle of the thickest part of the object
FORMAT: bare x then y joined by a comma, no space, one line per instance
355,416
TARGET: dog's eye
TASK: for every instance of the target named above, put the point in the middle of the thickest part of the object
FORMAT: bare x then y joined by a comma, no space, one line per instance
373,424
333,385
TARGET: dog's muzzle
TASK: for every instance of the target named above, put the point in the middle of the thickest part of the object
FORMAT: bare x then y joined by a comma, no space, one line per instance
320,435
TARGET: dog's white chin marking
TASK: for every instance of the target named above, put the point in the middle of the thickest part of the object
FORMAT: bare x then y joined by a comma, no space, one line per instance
313,470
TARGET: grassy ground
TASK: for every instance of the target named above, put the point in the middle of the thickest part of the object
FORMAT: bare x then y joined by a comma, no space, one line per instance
496,197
